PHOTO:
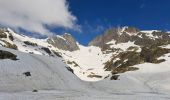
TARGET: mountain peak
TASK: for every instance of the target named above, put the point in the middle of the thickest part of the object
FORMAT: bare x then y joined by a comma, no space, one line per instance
64,42
125,34
129,30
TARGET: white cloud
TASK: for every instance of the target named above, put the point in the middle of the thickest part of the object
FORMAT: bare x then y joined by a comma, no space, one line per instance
32,15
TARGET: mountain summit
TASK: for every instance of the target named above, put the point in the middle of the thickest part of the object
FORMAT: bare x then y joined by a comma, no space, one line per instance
64,42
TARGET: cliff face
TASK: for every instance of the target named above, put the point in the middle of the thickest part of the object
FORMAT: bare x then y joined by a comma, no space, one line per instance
64,42
104,38
132,34
118,34
130,47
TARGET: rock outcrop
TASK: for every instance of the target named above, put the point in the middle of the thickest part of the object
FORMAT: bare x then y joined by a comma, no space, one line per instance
125,34
64,42
146,47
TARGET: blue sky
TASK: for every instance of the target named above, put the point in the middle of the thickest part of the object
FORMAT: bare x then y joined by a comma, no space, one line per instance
84,19
95,16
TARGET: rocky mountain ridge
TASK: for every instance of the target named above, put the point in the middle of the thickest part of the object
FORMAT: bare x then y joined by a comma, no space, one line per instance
141,47
125,34
107,56
64,42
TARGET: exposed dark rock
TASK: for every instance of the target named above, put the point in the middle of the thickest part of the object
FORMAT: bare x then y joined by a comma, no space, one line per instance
96,76
27,73
11,37
114,77
35,91
118,70
150,54
123,38
111,50
131,58
24,45
7,55
163,38
106,77
133,48
106,47
46,50
3,35
30,43
73,62
9,45
57,53
121,67
126,59
31,52
69,69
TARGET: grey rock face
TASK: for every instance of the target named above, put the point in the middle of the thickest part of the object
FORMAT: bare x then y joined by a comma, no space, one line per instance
2,32
114,33
131,30
123,38
106,37
64,42
132,34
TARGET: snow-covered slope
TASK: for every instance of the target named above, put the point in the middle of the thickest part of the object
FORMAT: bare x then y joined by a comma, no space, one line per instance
89,62
92,71
46,73
53,81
